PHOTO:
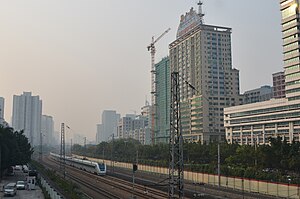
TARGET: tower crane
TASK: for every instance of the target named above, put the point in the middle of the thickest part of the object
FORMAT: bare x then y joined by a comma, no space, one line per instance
152,50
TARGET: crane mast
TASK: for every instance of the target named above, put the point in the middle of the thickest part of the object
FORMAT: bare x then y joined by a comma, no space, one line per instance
152,50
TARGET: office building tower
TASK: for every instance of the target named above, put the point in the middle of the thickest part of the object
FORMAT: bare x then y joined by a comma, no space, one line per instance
27,115
145,112
47,132
163,91
57,138
257,123
132,116
135,128
99,134
261,94
143,135
138,123
124,126
278,85
290,31
201,55
2,120
109,123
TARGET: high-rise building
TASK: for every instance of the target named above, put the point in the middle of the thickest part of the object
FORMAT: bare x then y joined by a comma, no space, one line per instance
163,91
145,112
278,85
124,126
109,123
47,130
256,123
27,115
290,31
2,120
134,127
143,135
57,138
201,55
1,108
261,94
99,134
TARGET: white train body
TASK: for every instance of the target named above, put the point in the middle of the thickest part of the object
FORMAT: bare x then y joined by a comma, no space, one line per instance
86,165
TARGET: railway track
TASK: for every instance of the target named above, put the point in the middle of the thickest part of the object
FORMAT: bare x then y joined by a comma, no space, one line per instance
120,188
140,190
192,190
104,193
100,192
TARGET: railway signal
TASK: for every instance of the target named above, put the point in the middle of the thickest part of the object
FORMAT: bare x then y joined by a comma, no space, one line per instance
134,167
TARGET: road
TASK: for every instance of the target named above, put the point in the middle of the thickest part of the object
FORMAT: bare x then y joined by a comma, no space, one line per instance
21,194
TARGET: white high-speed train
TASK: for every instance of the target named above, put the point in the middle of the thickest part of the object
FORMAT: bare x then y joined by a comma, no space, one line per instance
86,165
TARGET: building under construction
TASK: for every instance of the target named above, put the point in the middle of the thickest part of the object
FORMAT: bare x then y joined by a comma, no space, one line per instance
201,54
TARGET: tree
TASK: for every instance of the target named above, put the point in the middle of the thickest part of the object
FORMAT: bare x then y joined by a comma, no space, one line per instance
14,148
244,157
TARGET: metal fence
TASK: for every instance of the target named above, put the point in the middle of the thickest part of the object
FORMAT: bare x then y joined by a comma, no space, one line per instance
242,184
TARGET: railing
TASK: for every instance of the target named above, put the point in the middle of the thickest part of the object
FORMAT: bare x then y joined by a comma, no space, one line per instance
50,190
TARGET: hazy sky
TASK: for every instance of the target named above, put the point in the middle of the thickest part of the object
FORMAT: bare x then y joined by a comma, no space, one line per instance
84,56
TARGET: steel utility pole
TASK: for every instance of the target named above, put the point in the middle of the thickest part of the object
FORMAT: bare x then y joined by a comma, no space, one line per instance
219,168
62,150
112,154
41,146
71,147
176,166
84,146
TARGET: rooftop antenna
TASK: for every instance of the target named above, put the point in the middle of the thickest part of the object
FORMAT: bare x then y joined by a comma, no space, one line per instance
200,13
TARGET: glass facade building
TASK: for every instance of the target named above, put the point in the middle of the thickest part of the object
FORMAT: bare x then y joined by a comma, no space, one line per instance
163,91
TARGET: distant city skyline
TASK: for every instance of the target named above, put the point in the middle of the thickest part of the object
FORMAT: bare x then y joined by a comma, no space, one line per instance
88,56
